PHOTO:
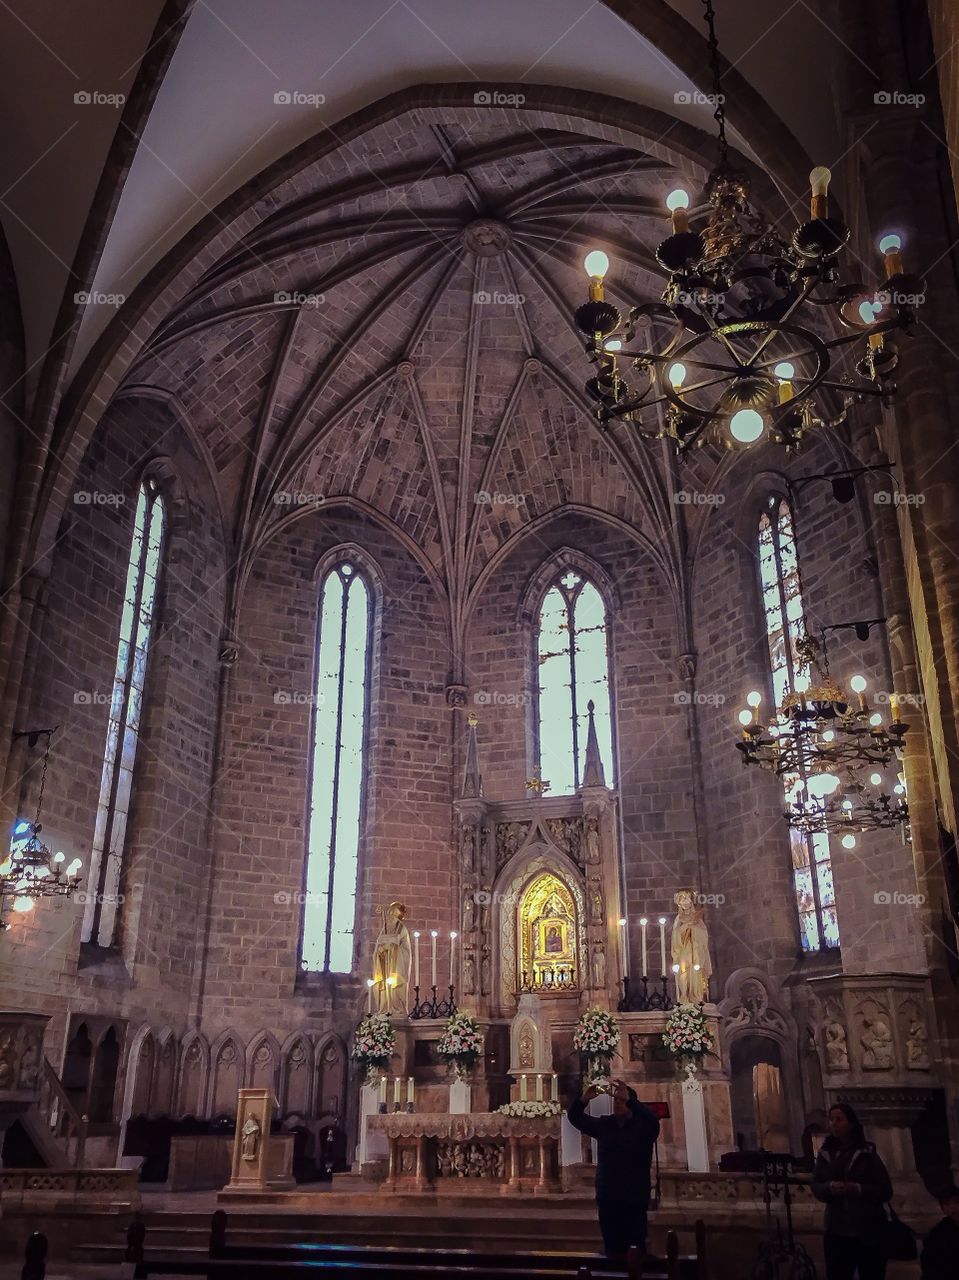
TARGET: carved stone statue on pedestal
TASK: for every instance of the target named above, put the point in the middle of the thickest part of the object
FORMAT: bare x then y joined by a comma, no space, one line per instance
690,948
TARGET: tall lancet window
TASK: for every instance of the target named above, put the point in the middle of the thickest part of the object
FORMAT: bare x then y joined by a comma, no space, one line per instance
782,601
573,670
126,712
340,711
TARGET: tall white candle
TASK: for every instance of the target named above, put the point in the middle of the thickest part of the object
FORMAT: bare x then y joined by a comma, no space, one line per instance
642,924
662,943
416,957
382,1088
522,1088
539,1087
554,1089
623,952
396,1091
452,954
434,935
409,1091
369,995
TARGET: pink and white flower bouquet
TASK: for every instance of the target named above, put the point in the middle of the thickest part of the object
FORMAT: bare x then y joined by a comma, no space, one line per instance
374,1043
461,1042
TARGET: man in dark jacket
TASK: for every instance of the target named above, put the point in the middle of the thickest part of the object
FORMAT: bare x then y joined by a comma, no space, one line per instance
624,1143
940,1253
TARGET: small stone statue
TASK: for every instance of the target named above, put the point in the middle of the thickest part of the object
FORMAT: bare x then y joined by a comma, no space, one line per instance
917,1054
469,911
469,848
599,968
485,972
592,840
596,907
250,1138
876,1041
837,1051
469,974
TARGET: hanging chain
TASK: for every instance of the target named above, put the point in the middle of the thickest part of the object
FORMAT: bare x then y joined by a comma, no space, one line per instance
43,781
719,115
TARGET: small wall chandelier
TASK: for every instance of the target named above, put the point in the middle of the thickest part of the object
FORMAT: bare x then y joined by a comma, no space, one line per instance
29,870
832,756
734,351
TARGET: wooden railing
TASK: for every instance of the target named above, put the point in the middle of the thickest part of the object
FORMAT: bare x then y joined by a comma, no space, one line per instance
66,1127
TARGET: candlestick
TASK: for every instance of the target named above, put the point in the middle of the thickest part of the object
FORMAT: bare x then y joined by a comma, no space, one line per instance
819,188
383,1090
522,1088
369,995
434,935
452,953
554,1088
396,1091
642,924
409,1092
416,957
662,942
677,202
539,1087
622,945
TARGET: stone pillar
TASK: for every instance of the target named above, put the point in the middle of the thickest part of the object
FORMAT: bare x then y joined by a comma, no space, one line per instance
694,1123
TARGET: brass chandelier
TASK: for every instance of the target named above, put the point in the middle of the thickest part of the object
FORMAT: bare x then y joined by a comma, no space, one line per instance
734,350
29,870
833,753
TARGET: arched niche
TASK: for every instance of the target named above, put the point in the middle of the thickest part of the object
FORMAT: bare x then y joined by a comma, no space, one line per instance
296,1076
161,1103
331,1079
194,1067
263,1062
227,1060
103,1077
526,867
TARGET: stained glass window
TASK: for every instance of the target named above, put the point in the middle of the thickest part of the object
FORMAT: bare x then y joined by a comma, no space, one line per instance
123,727
337,783
573,666
782,601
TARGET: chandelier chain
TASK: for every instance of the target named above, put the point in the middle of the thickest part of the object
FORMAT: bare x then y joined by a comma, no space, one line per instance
43,781
719,115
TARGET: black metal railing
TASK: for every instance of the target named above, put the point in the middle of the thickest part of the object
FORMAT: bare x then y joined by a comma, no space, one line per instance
646,995
433,1006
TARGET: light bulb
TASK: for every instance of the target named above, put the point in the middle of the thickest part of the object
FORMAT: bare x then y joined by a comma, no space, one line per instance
675,968
849,842
74,867
784,370
596,263
819,180
857,684
746,426
369,982
643,921
59,857
847,805
899,789
662,919
774,731
754,698
452,934
822,784
890,243
875,719
677,199
696,968
745,717
677,373
23,905
21,828
613,345
868,310
828,735
622,921
434,933
875,779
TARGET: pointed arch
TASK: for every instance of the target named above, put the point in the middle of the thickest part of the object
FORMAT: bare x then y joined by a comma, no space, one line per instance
296,1075
193,1074
263,1062
331,1078
227,1069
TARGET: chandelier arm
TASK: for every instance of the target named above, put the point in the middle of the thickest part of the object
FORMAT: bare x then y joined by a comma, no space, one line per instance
866,389
796,303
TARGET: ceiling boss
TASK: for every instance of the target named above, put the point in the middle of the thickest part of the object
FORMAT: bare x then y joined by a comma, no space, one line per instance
737,349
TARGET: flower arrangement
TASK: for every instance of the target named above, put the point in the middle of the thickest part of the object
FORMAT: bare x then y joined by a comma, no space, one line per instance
597,1038
461,1042
530,1110
374,1043
687,1034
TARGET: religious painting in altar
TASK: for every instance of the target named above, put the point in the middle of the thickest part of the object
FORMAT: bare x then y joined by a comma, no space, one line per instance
547,930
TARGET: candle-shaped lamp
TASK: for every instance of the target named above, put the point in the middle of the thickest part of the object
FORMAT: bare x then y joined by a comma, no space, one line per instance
522,1088
868,311
539,1087
622,945
369,995
396,1091
434,934
754,699
890,246
416,957
597,264
858,685
785,371
662,943
819,192
677,202
554,1088
452,953
409,1091
894,707
642,926
383,1090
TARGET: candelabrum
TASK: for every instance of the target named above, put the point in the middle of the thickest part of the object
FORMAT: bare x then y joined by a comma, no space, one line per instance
646,996
433,1006
556,978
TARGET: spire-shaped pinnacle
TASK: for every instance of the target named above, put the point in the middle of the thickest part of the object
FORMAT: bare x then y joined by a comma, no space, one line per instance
593,775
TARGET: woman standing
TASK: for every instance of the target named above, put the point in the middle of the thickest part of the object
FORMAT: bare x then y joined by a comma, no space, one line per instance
852,1182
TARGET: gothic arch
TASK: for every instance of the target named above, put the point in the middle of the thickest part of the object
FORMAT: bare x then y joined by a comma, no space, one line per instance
142,1061
263,1062
296,1075
193,1074
542,579
227,1064
164,1077
331,1078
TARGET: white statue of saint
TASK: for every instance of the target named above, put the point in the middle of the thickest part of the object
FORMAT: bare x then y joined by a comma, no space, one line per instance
391,962
690,945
